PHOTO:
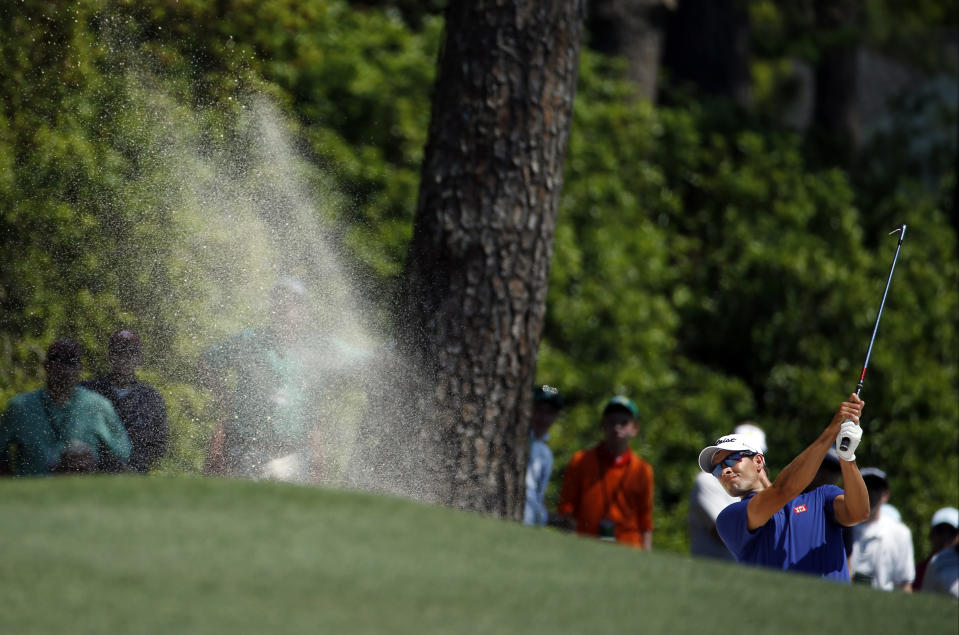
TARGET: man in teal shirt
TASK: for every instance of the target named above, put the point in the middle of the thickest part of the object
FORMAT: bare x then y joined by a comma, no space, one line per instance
276,387
62,427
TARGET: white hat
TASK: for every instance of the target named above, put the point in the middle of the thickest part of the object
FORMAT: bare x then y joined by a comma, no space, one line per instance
947,516
752,432
733,442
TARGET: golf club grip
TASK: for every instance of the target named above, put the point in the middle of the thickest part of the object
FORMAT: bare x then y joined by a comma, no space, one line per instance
844,442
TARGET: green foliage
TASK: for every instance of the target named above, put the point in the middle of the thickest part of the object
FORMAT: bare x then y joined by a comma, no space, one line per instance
701,265
93,91
116,119
916,38
191,420
904,30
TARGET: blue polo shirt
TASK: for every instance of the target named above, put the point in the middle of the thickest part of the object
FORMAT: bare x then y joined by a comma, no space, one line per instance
802,536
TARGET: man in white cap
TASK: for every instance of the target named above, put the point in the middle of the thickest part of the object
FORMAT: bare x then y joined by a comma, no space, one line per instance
775,524
707,498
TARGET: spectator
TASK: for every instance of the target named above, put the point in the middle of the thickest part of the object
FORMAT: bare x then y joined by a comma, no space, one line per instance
62,427
265,412
882,554
272,385
707,498
608,490
943,534
140,407
890,511
547,404
775,524
942,574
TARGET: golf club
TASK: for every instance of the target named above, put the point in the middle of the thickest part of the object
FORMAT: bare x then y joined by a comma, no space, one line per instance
844,443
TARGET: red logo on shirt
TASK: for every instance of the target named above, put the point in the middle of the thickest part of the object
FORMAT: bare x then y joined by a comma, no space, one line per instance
799,509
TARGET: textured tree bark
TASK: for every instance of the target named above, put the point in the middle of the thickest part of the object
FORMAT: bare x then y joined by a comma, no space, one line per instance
478,264
634,30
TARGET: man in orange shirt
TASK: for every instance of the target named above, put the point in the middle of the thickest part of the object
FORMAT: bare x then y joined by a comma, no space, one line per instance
608,490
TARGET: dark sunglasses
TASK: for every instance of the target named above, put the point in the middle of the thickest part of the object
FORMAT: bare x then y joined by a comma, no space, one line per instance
730,461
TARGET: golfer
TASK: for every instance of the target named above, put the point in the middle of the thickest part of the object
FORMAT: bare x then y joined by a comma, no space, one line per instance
774,524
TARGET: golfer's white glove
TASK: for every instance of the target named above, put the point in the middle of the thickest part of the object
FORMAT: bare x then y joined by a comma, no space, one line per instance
852,431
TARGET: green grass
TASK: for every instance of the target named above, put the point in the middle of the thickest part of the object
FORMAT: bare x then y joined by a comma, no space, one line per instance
190,555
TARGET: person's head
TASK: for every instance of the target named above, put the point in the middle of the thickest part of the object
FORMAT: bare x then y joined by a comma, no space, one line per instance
944,528
547,403
737,462
62,365
288,306
619,423
877,484
125,353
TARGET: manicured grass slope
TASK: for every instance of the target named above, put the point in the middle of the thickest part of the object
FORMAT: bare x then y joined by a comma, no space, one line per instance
176,555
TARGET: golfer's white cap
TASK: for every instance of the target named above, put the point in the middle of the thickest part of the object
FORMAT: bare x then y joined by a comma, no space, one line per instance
732,442
946,516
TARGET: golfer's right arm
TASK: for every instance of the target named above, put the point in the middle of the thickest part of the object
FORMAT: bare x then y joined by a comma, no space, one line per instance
799,473
852,506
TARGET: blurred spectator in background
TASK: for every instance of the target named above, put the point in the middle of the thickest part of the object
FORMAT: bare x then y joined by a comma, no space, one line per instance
265,412
707,498
890,511
882,553
279,389
140,407
943,539
547,404
61,428
608,490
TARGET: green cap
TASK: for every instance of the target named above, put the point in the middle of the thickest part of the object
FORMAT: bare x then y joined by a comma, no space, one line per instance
619,401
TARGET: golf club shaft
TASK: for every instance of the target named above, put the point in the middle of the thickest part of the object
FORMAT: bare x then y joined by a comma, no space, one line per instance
844,443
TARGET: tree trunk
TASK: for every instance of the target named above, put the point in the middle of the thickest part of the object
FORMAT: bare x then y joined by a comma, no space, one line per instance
634,30
478,264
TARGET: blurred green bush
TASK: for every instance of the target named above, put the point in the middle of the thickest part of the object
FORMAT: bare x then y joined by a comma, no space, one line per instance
702,264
